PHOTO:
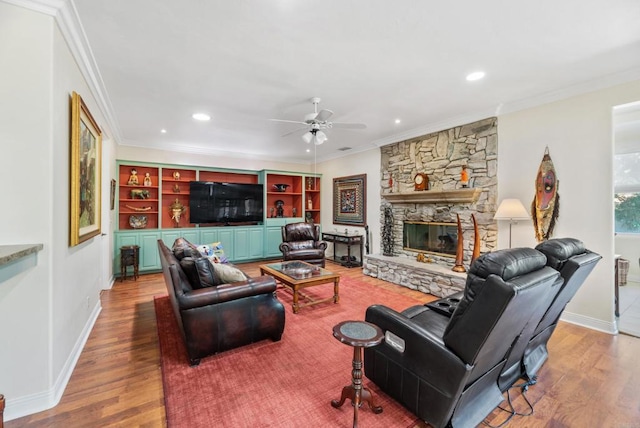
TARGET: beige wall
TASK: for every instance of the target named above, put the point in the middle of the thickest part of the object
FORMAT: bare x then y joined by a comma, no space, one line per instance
578,132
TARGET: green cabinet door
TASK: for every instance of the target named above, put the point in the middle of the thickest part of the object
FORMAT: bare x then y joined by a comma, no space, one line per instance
273,241
208,235
225,237
191,235
256,242
149,255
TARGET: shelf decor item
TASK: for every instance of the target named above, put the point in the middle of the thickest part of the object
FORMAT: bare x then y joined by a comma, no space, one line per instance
350,200
176,209
86,161
280,187
138,221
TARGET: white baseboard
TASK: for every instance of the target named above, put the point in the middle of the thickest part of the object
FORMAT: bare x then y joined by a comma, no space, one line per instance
38,402
588,322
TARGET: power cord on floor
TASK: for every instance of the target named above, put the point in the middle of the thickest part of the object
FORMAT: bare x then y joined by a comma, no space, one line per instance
511,410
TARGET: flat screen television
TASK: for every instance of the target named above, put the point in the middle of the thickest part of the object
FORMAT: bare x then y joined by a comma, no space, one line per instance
227,203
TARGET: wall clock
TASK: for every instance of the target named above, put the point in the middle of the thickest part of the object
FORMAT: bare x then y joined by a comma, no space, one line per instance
421,181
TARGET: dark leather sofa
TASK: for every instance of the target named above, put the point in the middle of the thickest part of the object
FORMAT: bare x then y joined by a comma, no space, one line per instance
446,368
301,241
216,318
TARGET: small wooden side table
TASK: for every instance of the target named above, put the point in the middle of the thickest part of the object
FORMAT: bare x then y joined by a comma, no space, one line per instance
129,256
359,334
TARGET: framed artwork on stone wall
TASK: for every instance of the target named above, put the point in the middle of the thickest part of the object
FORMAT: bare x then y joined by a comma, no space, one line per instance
350,200
85,174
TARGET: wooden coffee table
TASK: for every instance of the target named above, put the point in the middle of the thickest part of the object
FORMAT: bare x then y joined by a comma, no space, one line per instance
296,275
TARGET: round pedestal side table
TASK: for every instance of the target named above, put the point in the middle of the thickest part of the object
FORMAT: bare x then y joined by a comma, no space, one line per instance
129,256
359,334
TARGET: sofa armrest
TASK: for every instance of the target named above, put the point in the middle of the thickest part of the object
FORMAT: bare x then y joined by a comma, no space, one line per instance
444,370
227,292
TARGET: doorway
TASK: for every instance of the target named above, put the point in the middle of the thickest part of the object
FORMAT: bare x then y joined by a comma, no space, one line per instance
626,171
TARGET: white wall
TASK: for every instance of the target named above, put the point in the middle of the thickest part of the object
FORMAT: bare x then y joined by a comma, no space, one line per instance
141,154
367,162
47,310
578,132
25,171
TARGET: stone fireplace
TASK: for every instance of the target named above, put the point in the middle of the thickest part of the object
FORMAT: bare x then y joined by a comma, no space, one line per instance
441,156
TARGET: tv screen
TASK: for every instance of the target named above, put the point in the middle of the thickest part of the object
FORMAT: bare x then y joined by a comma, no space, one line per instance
212,202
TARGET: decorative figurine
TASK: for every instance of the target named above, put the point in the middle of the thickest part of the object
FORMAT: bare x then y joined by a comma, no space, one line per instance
272,212
176,188
147,179
294,212
464,176
279,208
133,178
310,204
176,175
176,209
308,218
309,183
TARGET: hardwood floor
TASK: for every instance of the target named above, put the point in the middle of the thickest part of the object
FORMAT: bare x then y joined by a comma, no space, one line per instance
592,379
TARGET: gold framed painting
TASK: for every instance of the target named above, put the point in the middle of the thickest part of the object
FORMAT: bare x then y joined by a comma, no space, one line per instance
350,200
85,173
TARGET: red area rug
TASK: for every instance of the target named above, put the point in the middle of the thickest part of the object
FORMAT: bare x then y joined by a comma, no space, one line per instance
289,383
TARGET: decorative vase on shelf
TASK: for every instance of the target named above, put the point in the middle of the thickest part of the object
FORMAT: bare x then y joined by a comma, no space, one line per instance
310,204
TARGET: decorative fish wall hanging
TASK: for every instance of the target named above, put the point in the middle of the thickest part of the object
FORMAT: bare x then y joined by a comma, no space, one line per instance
546,203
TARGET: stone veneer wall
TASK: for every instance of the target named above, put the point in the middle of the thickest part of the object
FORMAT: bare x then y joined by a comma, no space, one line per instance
441,155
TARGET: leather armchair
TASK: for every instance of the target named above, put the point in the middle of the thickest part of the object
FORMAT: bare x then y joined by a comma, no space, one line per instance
446,369
574,262
301,241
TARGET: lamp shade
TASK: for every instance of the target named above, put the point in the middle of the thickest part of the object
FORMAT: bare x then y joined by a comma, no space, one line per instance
511,209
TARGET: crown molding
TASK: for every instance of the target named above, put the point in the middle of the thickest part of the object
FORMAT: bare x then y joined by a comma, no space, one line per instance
593,85
48,7
66,16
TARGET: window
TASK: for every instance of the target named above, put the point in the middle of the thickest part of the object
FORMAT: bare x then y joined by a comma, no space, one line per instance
626,178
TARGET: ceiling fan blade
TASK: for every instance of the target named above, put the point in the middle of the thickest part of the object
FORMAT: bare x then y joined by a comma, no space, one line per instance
295,130
288,121
348,125
323,115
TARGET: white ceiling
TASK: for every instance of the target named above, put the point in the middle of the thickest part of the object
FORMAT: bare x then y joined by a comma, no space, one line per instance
244,62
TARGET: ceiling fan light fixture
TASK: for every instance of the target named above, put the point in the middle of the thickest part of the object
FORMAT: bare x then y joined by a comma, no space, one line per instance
321,137
307,137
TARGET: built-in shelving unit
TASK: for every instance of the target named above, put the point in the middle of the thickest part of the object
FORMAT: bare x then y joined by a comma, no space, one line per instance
137,202
152,201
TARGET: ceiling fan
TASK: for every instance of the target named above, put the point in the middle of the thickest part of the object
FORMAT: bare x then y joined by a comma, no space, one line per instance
316,122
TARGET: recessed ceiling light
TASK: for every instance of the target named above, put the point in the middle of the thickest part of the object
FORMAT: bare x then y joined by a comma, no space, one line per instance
201,116
476,75
398,121
308,150
163,131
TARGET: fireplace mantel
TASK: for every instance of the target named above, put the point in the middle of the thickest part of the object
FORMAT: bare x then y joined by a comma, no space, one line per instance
458,196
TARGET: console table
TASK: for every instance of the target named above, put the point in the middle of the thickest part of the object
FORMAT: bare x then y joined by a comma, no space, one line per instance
350,240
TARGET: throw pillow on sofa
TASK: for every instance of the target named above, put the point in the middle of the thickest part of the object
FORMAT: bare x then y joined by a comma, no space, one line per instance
227,273
183,248
200,272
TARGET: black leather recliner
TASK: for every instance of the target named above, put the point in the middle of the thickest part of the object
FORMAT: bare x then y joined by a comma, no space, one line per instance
574,262
301,241
446,370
